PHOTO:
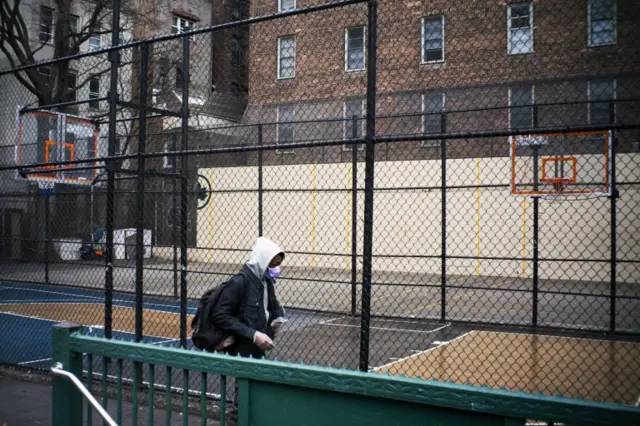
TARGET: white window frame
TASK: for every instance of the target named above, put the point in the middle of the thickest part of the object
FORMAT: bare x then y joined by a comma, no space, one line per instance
363,106
422,24
531,27
52,29
92,38
615,93
94,95
434,143
279,58
281,9
533,103
178,24
364,48
278,150
615,26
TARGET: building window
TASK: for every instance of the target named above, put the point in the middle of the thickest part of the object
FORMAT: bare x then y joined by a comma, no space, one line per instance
235,51
46,24
520,23
602,22
353,108
285,5
94,92
354,49
521,107
72,81
181,25
287,57
95,42
285,126
433,39
601,94
432,114
73,24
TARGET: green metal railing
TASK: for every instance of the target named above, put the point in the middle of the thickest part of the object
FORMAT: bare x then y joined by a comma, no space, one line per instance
273,392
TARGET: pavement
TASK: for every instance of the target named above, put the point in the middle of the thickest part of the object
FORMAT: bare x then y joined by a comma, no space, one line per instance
27,402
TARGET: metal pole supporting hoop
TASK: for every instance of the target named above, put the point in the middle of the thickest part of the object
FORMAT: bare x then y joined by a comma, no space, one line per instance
46,188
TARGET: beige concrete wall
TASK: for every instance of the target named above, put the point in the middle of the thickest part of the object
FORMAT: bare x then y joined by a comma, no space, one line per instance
487,222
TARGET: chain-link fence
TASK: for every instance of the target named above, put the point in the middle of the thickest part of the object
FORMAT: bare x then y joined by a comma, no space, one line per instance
455,184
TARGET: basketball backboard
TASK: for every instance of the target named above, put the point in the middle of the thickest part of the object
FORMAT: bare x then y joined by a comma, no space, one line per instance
561,164
49,137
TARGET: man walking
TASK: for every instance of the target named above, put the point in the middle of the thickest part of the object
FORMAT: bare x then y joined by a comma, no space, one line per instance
248,307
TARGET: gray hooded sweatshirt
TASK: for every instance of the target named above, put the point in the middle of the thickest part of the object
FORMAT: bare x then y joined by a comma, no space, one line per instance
263,253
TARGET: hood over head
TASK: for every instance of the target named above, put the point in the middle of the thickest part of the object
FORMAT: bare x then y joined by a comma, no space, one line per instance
263,253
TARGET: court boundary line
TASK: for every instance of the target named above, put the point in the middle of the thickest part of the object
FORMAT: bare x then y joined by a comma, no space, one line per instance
86,326
400,330
588,339
89,297
422,352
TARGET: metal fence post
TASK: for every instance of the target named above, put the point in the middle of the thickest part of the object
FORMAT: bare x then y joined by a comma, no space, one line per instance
142,141
443,266
110,166
47,236
614,241
184,177
66,398
260,190
354,217
536,225
368,184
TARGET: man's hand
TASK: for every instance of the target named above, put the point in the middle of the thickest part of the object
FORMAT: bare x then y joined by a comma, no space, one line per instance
263,341
276,325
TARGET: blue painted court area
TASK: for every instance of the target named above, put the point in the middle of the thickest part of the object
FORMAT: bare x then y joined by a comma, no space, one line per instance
26,340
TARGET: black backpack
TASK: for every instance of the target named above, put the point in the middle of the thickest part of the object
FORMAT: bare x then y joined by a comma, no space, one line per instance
204,334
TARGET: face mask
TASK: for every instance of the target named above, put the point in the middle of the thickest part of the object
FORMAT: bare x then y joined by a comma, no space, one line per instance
273,272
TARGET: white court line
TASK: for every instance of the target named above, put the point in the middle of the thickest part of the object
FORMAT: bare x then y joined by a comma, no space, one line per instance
41,301
422,352
79,296
403,330
332,320
34,361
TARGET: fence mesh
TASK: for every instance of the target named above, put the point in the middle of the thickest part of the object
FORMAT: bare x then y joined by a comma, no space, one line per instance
495,242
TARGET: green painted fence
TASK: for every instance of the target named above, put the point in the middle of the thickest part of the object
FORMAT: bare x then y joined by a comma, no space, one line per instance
278,393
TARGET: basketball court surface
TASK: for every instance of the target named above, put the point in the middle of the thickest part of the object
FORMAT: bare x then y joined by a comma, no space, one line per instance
591,369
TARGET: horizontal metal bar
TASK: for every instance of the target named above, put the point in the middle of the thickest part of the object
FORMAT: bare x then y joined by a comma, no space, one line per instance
168,37
162,112
57,370
62,104
505,133
150,174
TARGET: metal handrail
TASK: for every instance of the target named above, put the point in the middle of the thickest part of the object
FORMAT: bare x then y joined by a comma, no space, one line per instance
57,370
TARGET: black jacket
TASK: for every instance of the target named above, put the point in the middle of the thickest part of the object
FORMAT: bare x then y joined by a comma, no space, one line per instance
228,314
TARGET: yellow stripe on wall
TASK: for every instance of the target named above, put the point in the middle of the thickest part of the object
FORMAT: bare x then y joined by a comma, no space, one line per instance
478,216
347,219
211,179
524,237
313,216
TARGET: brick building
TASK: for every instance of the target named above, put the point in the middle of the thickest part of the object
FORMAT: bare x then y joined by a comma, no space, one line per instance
443,66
